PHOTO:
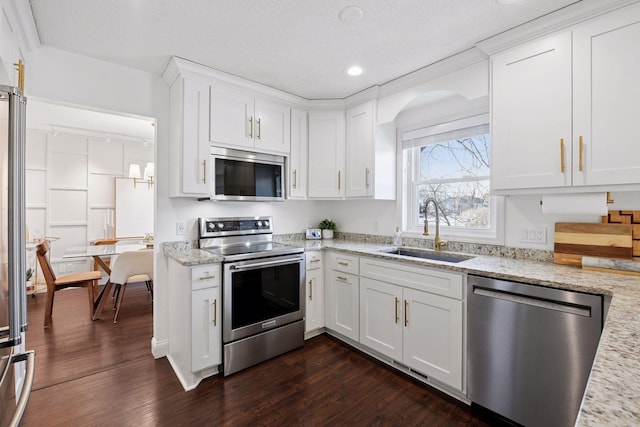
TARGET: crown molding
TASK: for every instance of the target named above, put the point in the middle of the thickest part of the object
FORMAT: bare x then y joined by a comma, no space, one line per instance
556,21
26,26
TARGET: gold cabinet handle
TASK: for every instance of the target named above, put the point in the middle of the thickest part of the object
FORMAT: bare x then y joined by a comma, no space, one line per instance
19,66
397,317
342,263
207,277
215,312
204,171
341,278
580,159
295,180
250,126
315,260
259,128
367,177
338,180
562,155
311,290
406,311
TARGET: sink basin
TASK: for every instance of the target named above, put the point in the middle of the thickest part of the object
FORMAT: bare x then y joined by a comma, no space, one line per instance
426,254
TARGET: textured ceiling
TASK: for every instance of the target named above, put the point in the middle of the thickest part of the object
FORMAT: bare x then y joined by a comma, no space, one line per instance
298,46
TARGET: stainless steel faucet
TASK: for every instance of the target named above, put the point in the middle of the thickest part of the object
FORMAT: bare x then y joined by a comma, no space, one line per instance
438,244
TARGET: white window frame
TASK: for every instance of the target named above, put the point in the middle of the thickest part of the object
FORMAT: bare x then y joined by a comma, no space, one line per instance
411,226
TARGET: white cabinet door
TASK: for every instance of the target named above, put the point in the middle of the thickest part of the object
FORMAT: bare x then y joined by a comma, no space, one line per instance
191,169
298,158
343,304
360,150
432,340
326,154
531,120
205,328
606,99
231,118
380,317
272,127
314,316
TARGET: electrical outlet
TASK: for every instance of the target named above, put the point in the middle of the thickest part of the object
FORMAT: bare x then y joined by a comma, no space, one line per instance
533,235
181,228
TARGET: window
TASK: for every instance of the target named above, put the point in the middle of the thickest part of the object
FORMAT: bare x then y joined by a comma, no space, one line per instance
451,163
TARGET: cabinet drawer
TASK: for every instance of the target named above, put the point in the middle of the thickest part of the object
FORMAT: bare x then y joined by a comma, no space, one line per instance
313,260
205,276
424,279
342,262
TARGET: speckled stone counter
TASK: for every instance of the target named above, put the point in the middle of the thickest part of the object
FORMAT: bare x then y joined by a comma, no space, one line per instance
613,392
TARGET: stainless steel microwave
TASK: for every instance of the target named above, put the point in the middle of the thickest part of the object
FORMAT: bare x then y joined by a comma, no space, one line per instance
246,176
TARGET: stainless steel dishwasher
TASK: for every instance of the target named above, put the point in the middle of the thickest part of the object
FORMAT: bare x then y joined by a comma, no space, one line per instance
530,349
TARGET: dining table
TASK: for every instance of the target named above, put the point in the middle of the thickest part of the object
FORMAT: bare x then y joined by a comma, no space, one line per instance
100,253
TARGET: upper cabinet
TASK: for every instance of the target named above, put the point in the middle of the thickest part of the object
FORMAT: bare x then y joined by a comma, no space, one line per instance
297,165
238,119
190,168
564,107
370,155
326,154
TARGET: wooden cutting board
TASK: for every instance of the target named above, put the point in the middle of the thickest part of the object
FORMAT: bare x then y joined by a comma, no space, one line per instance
573,240
627,217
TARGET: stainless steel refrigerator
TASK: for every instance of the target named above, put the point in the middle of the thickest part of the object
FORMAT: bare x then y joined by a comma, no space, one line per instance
16,365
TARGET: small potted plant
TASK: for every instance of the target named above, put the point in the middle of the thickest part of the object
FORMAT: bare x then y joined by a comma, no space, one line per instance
328,227
29,276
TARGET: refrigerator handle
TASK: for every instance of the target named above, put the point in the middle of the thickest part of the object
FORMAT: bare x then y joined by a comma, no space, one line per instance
16,246
30,357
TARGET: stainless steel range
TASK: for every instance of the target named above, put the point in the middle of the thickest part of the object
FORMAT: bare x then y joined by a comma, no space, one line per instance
262,290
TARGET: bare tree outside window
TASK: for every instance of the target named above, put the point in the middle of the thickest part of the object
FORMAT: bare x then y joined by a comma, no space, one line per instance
456,174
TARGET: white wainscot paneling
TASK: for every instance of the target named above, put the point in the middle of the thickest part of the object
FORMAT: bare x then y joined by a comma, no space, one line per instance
106,157
70,239
68,207
68,170
36,149
36,188
102,191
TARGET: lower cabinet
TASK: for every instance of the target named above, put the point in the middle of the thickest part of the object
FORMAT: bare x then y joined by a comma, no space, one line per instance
401,320
342,291
314,314
195,322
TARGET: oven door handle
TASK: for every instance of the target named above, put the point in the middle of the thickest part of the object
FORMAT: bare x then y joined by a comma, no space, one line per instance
265,264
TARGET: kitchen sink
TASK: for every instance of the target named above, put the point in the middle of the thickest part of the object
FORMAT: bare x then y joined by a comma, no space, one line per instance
427,254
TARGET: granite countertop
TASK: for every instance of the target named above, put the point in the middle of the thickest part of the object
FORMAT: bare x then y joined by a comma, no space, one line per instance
613,391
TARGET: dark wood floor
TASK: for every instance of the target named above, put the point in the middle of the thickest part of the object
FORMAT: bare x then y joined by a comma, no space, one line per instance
98,373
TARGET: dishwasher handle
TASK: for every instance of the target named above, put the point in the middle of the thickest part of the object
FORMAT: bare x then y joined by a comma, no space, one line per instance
533,301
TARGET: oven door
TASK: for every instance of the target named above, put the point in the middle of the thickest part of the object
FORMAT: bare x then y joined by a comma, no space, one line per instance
262,294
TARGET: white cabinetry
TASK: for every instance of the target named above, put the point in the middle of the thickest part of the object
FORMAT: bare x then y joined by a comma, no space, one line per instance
195,339
298,159
370,155
414,315
314,314
239,120
189,168
342,302
564,107
326,154
606,66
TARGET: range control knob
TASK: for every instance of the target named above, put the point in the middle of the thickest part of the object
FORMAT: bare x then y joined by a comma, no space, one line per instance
211,226
220,225
258,224
266,223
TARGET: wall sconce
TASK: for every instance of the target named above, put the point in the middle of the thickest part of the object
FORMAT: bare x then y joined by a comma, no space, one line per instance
149,172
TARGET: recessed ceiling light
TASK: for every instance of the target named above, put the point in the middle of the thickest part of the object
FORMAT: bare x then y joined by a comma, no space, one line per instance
350,14
354,70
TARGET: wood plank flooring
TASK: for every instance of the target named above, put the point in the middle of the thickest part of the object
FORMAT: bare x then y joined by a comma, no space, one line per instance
97,373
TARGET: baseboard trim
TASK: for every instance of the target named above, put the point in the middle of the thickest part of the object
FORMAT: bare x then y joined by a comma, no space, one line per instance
159,348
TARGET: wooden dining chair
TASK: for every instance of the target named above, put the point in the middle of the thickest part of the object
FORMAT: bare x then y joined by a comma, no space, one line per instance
99,242
85,279
131,267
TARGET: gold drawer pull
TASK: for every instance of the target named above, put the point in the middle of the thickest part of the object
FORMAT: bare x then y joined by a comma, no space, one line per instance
580,159
406,311
311,290
562,155
397,318
215,312
342,278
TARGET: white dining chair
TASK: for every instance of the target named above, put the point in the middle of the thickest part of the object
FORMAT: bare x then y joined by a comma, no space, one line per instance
131,267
